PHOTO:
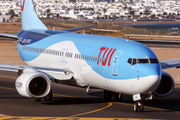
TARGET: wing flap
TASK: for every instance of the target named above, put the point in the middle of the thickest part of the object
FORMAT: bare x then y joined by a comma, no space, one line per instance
170,63
60,74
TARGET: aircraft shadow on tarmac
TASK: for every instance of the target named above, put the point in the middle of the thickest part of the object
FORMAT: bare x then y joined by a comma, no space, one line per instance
70,101
171,103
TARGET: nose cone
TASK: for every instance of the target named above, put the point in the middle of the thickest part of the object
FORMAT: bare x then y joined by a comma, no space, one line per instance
150,84
152,79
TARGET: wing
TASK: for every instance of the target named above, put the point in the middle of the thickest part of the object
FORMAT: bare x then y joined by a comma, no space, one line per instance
170,63
8,35
60,74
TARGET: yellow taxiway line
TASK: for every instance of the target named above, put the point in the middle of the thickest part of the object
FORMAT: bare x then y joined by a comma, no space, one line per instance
109,105
74,117
68,118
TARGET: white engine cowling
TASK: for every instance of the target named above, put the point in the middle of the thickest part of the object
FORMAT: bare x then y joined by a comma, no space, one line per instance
33,84
166,86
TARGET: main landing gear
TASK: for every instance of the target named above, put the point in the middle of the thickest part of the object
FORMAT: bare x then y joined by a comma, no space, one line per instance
138,106
47,98
108,95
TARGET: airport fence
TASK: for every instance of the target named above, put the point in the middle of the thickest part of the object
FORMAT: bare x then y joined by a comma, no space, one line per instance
152,31
62,21
143,31
122,29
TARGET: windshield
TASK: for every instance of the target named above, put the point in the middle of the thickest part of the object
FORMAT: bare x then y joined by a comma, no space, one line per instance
133,61
142,61
154,60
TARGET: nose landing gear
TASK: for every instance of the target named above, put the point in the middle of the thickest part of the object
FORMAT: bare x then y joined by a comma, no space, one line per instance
138,106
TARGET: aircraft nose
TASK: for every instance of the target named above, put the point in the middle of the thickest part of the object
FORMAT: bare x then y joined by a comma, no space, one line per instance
152,81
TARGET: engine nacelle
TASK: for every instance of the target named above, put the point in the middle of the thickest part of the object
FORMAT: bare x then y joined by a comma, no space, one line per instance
166,86
33,84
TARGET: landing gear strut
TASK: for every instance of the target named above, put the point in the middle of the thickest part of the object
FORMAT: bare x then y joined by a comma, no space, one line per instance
138,106
49,96
118,96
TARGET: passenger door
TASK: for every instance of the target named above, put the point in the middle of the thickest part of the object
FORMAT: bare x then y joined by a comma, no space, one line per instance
115,63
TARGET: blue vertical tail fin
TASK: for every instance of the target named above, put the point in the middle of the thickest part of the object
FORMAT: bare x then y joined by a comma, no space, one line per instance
29,18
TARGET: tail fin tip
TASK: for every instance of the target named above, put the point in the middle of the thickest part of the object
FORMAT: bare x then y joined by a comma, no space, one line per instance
29,17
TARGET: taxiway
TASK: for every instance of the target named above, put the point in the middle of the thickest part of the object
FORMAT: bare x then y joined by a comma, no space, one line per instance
75,102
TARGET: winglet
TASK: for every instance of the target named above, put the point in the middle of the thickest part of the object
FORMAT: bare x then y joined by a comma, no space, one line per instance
28,16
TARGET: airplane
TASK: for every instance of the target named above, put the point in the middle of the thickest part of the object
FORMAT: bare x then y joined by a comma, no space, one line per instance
116,65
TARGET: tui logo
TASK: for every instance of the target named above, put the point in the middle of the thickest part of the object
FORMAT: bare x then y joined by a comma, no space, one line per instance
104,60
22,5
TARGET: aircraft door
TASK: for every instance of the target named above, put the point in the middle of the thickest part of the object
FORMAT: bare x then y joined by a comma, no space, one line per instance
115,63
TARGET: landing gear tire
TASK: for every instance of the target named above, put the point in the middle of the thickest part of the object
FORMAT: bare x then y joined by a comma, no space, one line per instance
138,106
108,95
142,107
49,96
118,97
135,107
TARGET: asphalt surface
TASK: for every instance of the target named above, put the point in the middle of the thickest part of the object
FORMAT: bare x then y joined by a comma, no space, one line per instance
75,102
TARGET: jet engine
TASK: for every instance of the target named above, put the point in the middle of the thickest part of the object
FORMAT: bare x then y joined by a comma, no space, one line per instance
166,86
33,84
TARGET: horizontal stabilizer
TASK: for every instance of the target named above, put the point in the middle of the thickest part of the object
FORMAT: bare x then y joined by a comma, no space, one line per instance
73,29
52,32
8,35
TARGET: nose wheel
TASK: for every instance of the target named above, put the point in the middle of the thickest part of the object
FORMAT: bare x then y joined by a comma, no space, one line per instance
138,106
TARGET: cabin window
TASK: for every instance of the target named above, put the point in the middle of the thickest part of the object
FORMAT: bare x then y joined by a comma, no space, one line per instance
84,57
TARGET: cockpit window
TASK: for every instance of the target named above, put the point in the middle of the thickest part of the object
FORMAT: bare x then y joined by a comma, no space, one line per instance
154,60
129,61
142,61
133,61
